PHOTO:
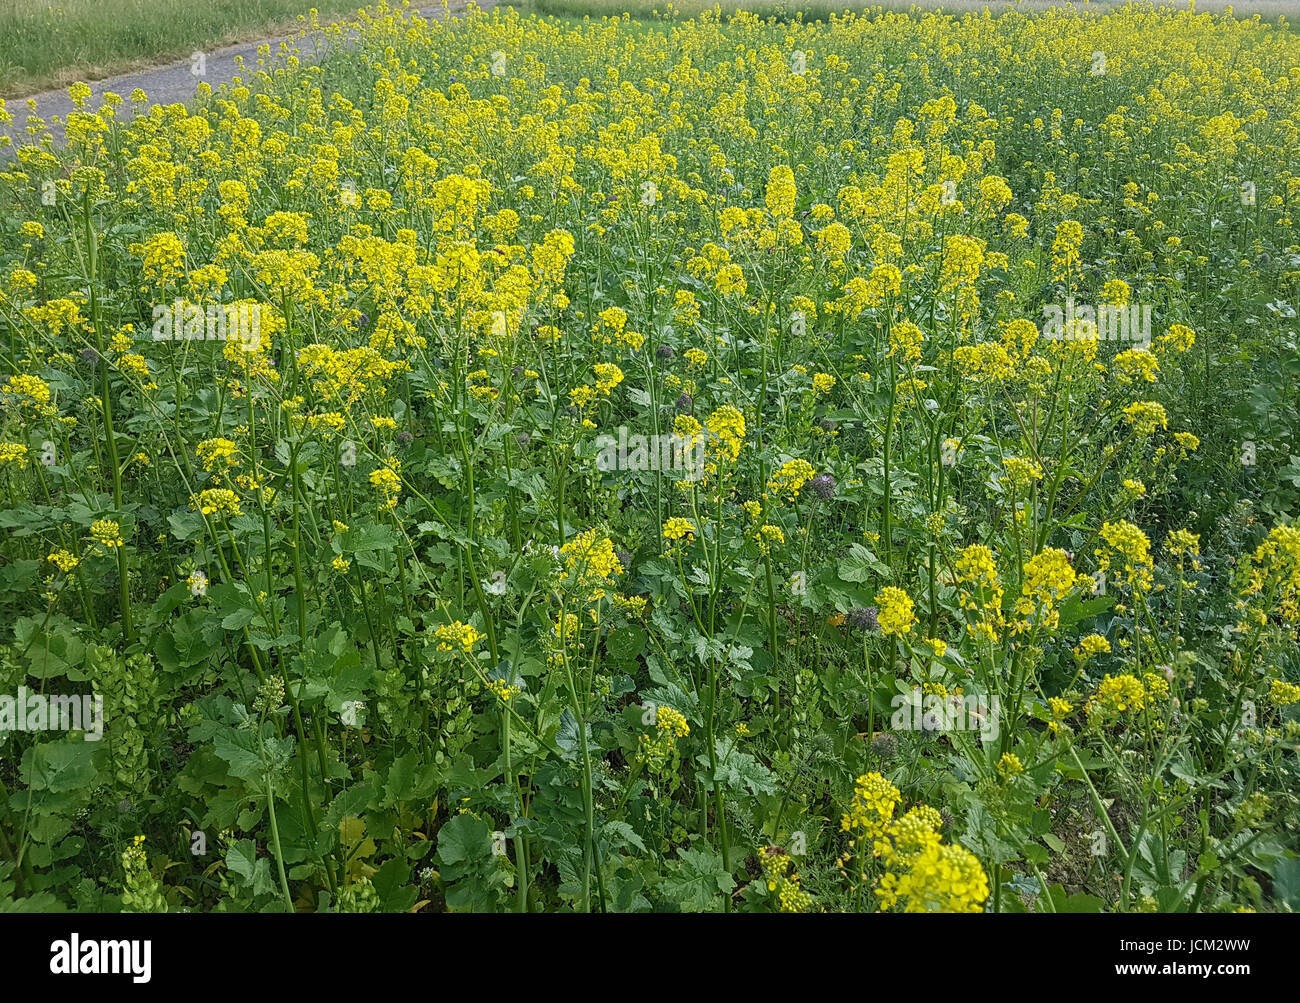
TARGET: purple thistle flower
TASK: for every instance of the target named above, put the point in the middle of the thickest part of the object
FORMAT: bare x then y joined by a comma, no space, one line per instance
863,618
823,486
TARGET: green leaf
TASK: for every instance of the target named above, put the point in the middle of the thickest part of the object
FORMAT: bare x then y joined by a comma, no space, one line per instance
1078,902
1075,609
861,565
254,872
59,766
463,839
1286,881
698,881
239,749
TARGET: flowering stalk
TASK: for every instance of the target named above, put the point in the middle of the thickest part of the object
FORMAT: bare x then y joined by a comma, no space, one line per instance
106,410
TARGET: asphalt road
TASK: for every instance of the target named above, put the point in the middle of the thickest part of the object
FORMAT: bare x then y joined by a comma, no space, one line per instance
172,83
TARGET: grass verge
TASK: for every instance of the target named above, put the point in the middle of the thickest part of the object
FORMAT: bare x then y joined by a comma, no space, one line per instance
45,46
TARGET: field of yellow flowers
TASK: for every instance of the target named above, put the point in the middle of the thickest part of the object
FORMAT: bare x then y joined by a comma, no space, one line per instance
662,465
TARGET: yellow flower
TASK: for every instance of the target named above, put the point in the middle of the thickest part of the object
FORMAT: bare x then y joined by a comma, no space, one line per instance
781,191
216,501
677,528
1136,363
163,258
502,690
1274,570
106,533
872,806
63,560
1060,708
943,877
1183,543
1180,338
1283,694
1091,646
1145,416
456,636
895,615
792,475
590,558
1022,472
905,340
1125,540
15,453
1047,579
834,240
1118,695
387,482
727,426
1065,248
1115,292
608,376
218,453
26,388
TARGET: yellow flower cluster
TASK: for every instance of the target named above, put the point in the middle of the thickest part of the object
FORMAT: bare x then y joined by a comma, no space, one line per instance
943,877
216,501
456,636
107,533
64,560
1131,545
896,614
791,477
387,482
905,340
677,528
790,896
13,452
981,592
1047,579
872,806
27,389
590,558
1272,576
1283,694
1146,416
502,690
1090,647
727,427
657,752
1118,695
218,454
